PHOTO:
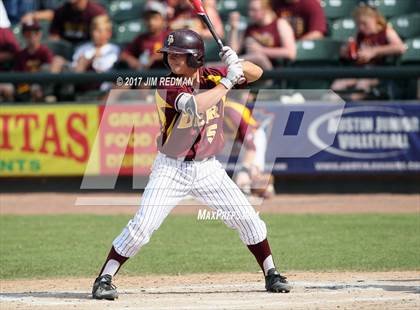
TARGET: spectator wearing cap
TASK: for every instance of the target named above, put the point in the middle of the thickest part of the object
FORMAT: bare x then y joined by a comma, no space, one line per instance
182,16
142,53
375,40
72,20
98,55
34,57
267,38
306,17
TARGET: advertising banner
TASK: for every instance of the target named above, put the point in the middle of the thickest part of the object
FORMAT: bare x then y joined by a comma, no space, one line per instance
370,138
46,140
127,136
60,140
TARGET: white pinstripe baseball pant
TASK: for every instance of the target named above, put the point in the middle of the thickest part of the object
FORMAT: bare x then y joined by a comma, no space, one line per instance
171,181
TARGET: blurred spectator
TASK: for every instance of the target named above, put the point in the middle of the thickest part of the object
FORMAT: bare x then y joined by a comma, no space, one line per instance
306,17
183,16
34,57
375,40
249,146
98,55
72,20
141,53
266,39
8,48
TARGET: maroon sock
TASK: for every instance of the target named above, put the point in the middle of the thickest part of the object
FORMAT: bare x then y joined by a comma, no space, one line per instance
261,251
114,255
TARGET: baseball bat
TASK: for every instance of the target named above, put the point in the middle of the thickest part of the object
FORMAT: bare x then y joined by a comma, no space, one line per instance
201,12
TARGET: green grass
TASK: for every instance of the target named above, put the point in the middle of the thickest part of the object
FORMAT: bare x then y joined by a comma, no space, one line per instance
76,245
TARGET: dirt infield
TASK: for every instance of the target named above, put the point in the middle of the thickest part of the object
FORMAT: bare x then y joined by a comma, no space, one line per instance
117,203
330,290
386,290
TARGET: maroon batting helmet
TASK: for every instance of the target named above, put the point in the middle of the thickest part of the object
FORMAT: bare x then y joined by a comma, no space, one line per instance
185,41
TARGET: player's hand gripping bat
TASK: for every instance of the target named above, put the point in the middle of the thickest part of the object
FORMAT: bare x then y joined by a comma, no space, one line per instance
201,12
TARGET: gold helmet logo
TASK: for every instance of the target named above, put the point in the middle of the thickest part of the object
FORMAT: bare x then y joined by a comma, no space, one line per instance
170,39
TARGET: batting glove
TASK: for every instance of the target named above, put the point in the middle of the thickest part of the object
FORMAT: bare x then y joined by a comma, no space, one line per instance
228,56
234,74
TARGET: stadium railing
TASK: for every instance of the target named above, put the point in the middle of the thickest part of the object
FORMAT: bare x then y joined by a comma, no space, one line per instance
383,72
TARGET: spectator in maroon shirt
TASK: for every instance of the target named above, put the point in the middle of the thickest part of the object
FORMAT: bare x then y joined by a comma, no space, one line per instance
9,47
306,17
267,38
33,58
142,53
72,20
375,40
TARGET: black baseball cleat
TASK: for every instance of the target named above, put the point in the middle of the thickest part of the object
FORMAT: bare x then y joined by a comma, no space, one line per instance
276,283
104,289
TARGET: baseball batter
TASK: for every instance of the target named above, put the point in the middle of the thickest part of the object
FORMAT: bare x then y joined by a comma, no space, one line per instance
191,120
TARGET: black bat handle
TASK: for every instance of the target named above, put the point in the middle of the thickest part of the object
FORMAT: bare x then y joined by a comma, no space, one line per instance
209,25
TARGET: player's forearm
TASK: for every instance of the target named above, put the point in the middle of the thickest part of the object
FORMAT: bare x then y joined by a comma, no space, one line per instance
209,98
252,72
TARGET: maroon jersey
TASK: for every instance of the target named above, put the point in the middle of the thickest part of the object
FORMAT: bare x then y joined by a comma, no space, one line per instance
304,15
377,39
178,137
8,43
73,25
148,43
32,62
267,36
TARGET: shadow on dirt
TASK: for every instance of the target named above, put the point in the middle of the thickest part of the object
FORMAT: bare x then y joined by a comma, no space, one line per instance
59,295
389,288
